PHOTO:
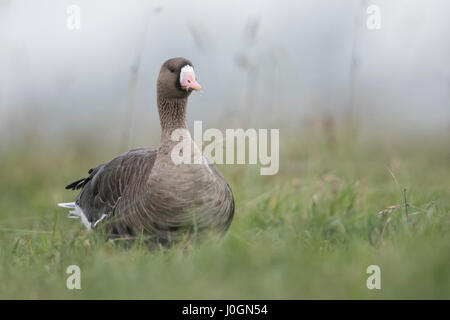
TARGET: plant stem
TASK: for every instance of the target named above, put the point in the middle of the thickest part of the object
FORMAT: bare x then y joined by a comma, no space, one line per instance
406,203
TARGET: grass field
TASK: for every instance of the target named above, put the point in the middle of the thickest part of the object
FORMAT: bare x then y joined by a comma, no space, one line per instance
308,232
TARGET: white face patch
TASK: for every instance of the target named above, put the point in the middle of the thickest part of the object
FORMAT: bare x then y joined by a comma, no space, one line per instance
186,68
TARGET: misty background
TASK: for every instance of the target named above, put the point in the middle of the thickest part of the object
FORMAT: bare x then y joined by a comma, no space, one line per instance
261,64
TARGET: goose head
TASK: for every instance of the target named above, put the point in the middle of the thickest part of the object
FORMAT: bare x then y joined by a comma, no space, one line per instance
177,79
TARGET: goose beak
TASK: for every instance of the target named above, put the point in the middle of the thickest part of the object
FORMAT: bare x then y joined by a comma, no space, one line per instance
188,81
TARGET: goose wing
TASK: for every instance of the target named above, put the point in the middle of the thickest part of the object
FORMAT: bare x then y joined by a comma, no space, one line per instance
105,185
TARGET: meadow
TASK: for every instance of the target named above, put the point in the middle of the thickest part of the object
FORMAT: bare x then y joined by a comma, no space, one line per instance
340,203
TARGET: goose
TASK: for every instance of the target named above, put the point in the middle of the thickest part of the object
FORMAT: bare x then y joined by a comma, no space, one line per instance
144,192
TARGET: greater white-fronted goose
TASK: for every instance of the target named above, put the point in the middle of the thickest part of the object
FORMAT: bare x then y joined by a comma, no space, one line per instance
144,192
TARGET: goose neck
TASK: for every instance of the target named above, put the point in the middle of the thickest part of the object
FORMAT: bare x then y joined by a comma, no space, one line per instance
172,115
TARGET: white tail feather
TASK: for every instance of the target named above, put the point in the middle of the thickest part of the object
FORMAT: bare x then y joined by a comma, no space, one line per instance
70,205
77,213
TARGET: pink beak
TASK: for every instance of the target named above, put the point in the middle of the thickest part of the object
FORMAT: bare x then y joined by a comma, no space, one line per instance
188,81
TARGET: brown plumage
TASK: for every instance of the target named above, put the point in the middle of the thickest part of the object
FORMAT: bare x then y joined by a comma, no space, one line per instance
143,192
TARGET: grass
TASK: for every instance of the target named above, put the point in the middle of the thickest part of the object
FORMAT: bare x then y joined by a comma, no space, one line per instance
310,232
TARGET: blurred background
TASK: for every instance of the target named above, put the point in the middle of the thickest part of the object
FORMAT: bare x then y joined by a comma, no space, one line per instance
261,63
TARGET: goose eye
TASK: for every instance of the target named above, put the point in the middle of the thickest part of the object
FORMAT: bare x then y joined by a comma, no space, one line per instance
172,69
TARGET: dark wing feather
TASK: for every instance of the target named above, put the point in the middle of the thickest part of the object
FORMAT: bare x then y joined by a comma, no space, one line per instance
82,182
77,184
106,183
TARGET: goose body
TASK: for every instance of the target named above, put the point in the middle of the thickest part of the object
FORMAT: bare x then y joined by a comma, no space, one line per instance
144,192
